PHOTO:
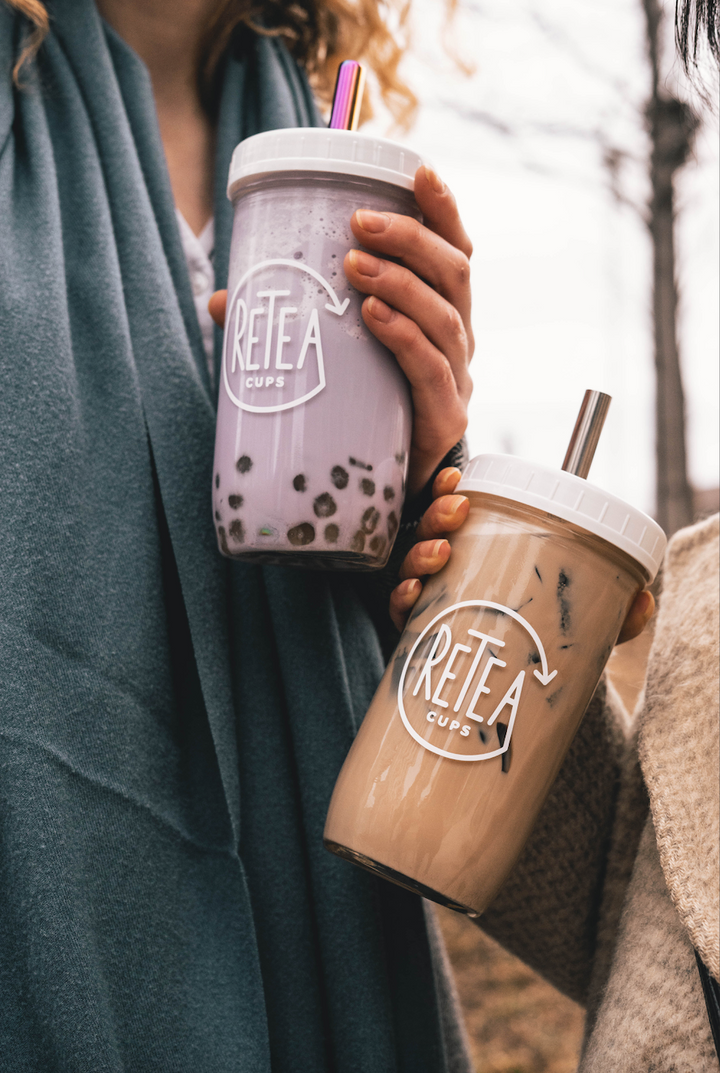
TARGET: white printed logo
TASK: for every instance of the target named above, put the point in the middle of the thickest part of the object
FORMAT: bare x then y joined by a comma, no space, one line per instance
456,690
273,351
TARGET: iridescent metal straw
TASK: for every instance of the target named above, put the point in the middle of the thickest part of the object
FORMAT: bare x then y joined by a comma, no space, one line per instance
348,94
586,433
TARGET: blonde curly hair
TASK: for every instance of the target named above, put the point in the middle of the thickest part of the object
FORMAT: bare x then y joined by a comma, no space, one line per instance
320,34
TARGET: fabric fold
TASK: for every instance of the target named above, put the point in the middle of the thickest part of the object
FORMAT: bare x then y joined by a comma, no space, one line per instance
171,723
679,744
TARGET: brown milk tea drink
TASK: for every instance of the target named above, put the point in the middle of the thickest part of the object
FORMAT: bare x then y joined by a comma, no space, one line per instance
490,680
314,414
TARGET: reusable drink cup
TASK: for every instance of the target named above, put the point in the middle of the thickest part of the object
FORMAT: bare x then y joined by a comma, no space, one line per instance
490,680
314,414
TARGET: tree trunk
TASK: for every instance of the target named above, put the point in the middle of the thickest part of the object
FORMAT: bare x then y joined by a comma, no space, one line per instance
671,125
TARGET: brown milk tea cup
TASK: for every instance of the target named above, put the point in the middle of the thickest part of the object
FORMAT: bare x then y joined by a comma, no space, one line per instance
488,685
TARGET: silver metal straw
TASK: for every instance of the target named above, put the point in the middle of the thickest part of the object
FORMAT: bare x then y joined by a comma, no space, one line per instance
586,433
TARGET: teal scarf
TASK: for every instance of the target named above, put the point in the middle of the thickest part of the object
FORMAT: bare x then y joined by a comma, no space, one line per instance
171,725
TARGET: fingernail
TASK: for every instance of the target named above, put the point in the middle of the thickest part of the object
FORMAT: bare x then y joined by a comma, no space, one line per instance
412,587
372,221
435,181
379,310
364,263
454,503
438,547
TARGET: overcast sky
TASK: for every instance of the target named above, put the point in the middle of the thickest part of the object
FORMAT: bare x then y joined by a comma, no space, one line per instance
561,270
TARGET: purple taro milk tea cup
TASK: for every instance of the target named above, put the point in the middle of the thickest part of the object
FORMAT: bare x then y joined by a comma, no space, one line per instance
314,413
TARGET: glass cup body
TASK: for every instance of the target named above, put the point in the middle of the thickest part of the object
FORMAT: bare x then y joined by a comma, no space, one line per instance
314,414
480,702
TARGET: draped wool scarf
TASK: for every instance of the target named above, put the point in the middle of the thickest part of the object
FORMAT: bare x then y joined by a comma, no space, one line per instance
171,725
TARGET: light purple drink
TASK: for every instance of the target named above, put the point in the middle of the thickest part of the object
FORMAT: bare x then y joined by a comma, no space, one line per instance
314,414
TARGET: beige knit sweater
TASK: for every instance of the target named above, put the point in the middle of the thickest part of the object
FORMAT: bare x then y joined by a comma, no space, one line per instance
620,879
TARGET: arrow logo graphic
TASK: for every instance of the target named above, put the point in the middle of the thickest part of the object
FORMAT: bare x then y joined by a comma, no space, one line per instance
334,305
544,676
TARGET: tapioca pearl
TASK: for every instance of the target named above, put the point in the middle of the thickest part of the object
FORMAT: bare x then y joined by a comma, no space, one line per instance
324,505
237,531
400,458
222,537
358,541
301,534
367,487
235,502
244,464
339,477
299,483
377,545
392,525
388,493
217,480
369,520
332,532
218,516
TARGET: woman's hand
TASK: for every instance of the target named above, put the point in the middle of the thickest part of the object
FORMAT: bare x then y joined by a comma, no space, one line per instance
637,618
446,513
420,310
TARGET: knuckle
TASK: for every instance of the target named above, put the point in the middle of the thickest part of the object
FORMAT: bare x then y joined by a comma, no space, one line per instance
415,233
410,337
440,378
405,283
417,557
461,269
432,520
455,328
465,390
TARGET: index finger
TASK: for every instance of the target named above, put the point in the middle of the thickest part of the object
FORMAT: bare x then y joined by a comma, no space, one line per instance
440,211
446,482
447,511
444,515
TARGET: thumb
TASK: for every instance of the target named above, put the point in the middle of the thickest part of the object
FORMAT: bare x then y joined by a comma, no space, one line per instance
217,306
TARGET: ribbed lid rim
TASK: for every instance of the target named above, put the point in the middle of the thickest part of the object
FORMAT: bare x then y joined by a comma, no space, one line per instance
341,152
572,499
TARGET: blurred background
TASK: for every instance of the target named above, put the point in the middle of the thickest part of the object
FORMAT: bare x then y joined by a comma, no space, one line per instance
546,142
587,179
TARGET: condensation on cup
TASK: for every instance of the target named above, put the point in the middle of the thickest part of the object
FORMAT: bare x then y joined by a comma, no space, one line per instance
314,414
490,680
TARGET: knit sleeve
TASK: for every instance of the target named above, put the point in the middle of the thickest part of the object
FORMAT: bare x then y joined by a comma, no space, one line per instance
552,912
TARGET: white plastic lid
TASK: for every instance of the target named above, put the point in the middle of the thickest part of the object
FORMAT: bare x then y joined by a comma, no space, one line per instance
342,152
572,499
